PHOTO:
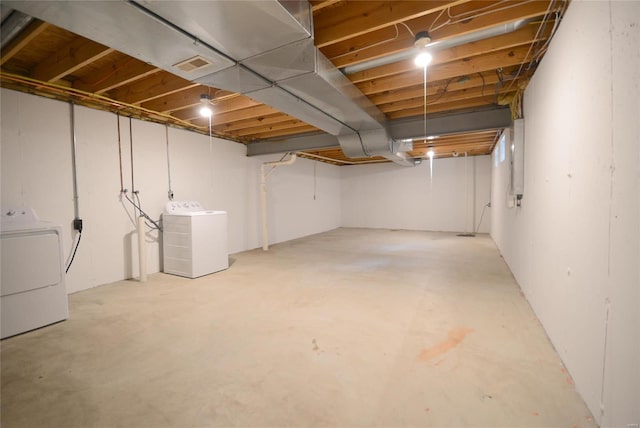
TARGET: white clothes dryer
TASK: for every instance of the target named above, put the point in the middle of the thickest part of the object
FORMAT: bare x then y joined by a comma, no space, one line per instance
32,291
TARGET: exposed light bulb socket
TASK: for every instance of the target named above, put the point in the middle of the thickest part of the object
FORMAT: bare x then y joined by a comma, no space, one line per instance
205,99
422,39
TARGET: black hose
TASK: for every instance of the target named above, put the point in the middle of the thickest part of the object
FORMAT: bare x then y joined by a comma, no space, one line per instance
74,252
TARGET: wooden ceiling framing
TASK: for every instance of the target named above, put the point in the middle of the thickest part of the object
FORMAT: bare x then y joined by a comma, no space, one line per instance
53,62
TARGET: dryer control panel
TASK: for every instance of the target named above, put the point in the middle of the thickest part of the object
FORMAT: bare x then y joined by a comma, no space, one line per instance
18,217
179,207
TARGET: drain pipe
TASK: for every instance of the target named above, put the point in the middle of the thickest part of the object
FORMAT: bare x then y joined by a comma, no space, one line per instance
263,193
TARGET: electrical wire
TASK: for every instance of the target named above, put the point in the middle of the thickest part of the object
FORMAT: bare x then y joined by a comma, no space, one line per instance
432,27
486,8
481,216
120,153
529,51
407,27
315,180
73,256
133,186
381,42
155,223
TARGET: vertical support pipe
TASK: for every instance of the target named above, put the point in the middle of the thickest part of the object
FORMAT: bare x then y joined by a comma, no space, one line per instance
263,195
170,192
74,149
142,250
473,205
120,154
466,193
263,208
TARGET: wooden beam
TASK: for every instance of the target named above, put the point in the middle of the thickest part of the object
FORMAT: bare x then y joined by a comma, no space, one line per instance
26,36
288,124
456,105
160,84
350,19
187,98
247,113
488,92
479,64
317,5
436,88
347,54
230,106
120,73
253,122
300,129
79,53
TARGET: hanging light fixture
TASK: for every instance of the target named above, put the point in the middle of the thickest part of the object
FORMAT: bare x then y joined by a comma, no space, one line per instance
205,110
423,58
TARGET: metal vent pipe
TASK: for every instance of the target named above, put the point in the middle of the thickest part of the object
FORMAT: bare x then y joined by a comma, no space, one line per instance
439,45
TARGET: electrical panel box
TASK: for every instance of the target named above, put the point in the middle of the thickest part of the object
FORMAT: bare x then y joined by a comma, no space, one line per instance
517,158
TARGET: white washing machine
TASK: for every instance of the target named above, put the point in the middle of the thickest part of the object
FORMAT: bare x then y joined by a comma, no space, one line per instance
194,240
32,291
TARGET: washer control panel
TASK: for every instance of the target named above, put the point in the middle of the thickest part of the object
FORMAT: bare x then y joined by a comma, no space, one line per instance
178,207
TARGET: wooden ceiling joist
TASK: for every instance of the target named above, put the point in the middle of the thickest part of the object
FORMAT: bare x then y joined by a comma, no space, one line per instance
490,93
507,57
296,129
158,85
253,122
435,89
350,19
120,73
452,106
523,37
389,41
33,30
75,56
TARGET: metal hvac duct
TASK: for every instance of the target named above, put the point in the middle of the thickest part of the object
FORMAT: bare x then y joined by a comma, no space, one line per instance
261,48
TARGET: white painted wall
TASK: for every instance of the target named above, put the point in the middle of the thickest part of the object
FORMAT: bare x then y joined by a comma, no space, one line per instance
393,197
301,193
37,172
574,245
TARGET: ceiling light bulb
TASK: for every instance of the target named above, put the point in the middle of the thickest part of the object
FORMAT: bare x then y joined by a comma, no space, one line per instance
206,111
431,153
423,59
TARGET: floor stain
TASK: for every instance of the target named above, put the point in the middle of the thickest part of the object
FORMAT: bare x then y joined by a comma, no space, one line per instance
454,338
315,345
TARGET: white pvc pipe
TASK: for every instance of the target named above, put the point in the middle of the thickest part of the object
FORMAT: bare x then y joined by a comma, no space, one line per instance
142,250
263,195
466,193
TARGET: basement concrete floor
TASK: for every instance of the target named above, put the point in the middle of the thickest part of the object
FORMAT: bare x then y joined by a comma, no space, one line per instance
353,327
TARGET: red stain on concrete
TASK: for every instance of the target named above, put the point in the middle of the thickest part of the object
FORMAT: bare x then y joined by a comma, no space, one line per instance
569,381
454,338
535,414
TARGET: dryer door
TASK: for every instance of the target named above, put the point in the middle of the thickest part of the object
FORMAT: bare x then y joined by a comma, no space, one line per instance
30,260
